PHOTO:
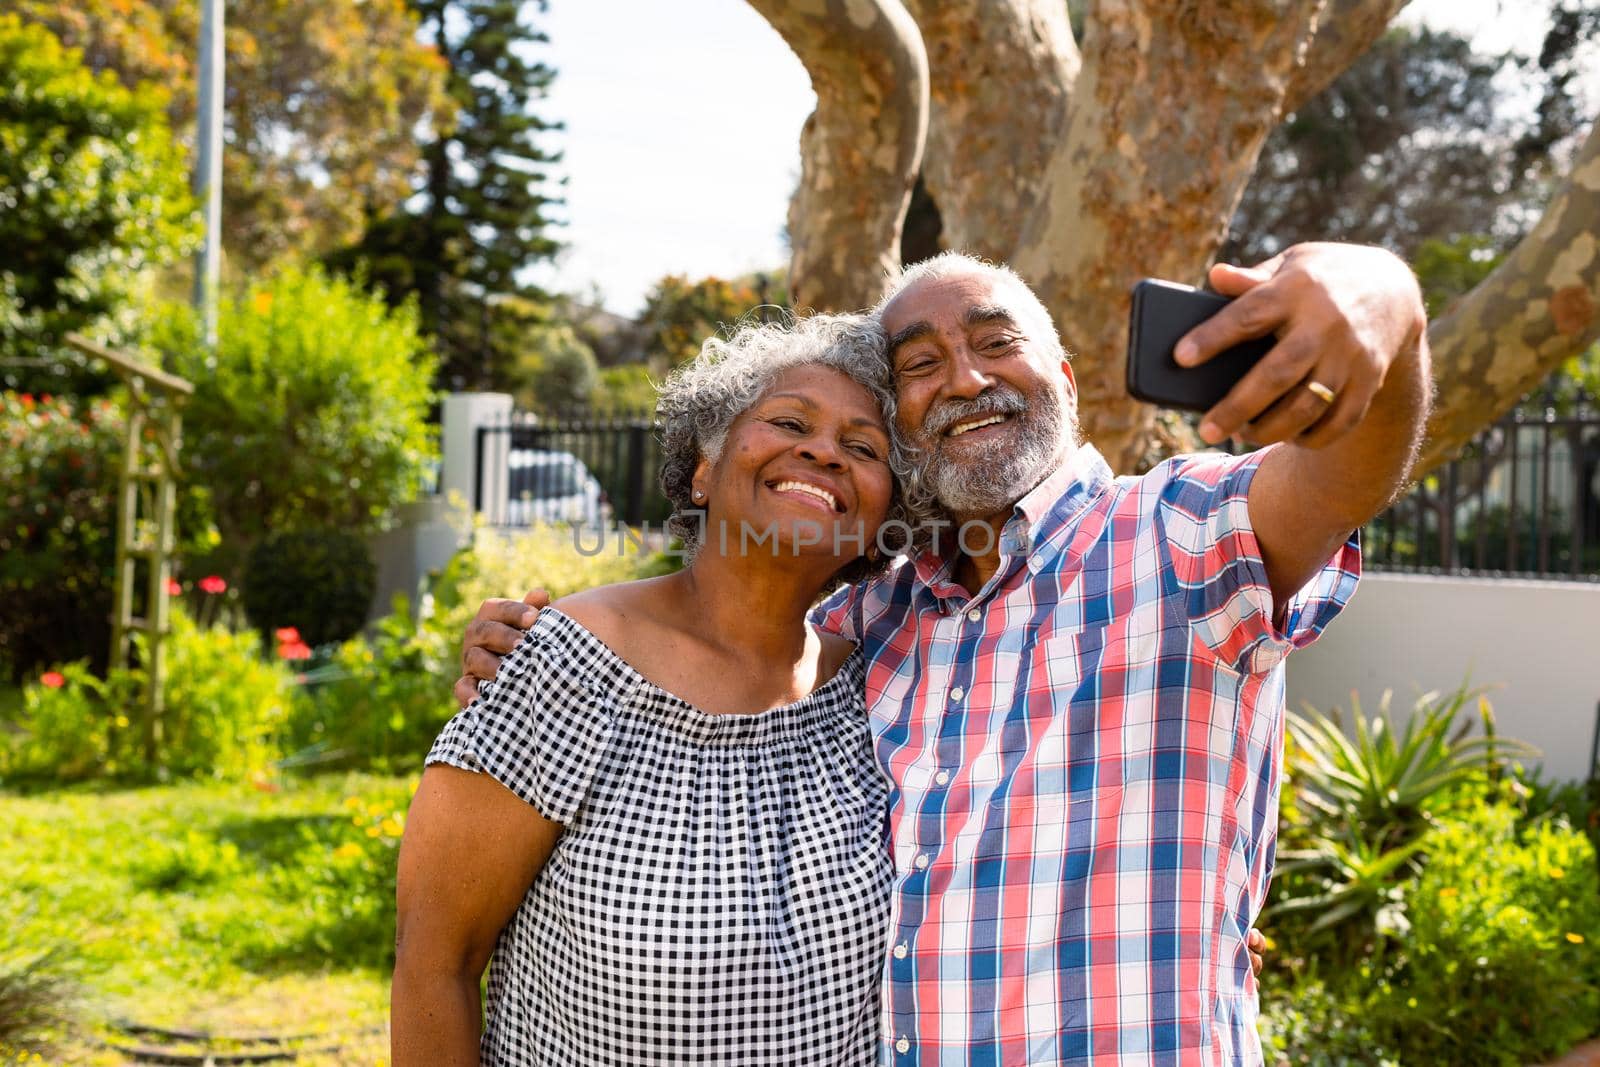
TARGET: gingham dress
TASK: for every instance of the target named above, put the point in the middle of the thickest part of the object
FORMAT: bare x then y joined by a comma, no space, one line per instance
720,893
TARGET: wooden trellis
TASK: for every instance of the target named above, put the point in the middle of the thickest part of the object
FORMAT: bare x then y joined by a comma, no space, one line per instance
146,506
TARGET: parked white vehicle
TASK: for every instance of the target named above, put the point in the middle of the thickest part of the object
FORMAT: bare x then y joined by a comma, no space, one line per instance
548,486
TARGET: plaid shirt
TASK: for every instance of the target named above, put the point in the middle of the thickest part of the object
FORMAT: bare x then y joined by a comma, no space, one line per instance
1086,761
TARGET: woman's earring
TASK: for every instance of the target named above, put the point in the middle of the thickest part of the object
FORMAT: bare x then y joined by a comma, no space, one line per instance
699,495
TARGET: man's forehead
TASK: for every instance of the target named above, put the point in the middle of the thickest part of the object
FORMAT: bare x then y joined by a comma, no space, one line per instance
949,297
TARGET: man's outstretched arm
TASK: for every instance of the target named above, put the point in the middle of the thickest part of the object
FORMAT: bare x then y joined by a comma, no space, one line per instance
1345,390
495,630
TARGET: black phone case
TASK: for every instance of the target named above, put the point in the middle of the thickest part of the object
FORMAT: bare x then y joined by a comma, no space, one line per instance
1162,313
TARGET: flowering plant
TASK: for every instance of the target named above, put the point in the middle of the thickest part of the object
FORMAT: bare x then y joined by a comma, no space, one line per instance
57,529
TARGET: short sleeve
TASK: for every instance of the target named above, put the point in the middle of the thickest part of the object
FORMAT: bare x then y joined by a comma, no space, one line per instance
540,729
1205,514
840,612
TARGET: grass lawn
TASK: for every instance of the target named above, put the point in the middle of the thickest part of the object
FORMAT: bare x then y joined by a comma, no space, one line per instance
225,908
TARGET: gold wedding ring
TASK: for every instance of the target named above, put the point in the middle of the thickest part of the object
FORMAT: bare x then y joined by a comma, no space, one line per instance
1321,391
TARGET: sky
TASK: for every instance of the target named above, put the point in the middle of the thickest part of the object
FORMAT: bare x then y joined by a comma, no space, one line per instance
683,119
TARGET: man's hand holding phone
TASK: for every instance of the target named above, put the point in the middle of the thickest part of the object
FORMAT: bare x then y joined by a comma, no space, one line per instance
1337,326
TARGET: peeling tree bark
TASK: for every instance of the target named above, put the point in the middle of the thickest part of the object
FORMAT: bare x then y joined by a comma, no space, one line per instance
860,149
1168,115
1345,29
1538,308
1001,74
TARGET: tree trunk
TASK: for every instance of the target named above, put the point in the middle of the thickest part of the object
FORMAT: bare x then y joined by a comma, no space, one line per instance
1168,114
1539,307
1001,72
861,148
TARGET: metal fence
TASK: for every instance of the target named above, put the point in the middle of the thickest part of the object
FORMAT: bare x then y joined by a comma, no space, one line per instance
1523,499
583,467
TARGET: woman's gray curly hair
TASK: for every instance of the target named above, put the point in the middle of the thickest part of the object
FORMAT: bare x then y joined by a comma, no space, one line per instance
701,399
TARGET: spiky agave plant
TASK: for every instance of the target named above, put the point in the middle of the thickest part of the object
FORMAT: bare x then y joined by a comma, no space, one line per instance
1369,795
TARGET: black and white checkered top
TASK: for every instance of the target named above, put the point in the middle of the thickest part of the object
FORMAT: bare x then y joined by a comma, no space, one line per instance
720,893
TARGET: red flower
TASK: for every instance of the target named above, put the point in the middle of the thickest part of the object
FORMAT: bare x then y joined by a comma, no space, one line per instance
287,635
213,585
293,650
52,679
173,588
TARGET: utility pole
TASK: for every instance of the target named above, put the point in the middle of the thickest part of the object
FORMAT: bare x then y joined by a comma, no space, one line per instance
208,166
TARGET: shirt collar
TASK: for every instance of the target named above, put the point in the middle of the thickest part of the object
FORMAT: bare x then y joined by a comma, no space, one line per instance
1066,492
1037,517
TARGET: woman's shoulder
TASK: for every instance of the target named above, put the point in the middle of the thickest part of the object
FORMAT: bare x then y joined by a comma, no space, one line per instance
618,615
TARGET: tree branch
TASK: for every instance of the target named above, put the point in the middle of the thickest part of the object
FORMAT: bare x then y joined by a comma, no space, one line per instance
1345,29
1539,307
861,148
996,66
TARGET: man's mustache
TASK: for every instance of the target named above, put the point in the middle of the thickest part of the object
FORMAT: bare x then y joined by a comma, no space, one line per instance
995,400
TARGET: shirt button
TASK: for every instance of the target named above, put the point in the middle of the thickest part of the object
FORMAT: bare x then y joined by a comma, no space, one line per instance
957,693
921,862
900,951
1034,563
942,778
974,615
903,1045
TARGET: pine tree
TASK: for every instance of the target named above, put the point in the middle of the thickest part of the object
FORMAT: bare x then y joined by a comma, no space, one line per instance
481,216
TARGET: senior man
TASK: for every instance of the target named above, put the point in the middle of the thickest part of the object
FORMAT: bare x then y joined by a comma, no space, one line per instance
1081,705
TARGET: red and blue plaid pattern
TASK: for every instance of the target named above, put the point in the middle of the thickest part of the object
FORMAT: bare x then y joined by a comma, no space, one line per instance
1086,761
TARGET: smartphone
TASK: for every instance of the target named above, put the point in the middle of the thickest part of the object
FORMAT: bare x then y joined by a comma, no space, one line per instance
1162,313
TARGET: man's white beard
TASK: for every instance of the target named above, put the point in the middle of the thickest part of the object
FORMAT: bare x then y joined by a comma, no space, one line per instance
992,476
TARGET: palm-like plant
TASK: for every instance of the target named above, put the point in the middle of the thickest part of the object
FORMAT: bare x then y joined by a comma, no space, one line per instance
1369,796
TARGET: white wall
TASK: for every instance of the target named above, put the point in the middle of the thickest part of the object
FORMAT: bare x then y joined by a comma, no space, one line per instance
1537,643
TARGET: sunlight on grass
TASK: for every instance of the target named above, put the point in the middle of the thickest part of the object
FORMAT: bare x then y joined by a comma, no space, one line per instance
221,908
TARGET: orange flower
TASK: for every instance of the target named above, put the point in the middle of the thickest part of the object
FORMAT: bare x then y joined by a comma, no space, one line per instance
52,679
173,588
213,584
286,635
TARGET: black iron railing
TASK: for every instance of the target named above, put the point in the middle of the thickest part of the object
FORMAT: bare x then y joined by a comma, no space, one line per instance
1522,499
583,467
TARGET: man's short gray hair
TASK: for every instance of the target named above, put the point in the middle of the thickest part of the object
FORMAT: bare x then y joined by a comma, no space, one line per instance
702,398
955,264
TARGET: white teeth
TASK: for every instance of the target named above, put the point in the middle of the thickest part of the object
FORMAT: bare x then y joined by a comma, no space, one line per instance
966,426
802,487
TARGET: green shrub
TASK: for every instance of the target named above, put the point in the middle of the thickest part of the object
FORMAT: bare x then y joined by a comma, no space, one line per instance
1500,965
225,708
545,556
58,508
226,705
96,192
1359,807
310,414
74,726
59,466
380,701
318,581
1310,1026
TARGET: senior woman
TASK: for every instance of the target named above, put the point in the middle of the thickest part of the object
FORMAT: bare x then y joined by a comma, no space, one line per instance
661,824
